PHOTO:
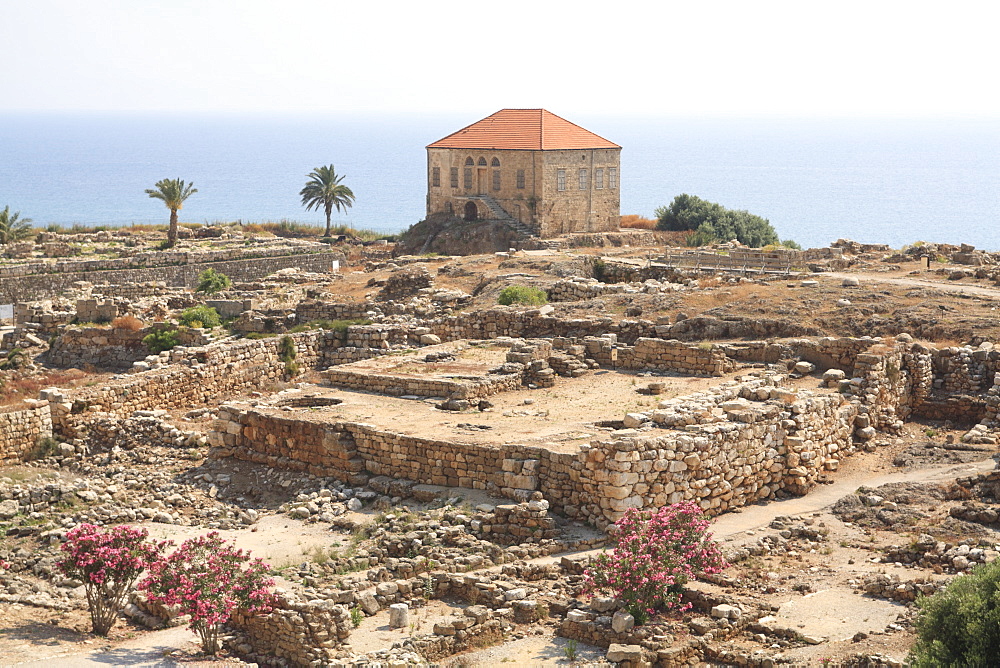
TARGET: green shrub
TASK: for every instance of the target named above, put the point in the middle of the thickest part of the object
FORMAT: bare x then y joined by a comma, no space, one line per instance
45,446
200,316
960,625
357,616
161,339
600,270
522,295
287,353
713,222
16,359
211,281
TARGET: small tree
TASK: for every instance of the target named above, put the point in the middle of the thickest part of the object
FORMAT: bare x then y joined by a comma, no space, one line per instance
209,580
108,562
960,625
654,556
211,281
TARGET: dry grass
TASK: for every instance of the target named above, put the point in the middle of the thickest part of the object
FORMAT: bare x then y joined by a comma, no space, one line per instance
127,322
635,222
16,389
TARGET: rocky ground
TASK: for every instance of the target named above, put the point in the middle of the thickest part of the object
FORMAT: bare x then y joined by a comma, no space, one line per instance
832,577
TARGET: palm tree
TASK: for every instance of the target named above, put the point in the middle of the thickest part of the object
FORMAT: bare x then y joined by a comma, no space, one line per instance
13,227
323,189
173,192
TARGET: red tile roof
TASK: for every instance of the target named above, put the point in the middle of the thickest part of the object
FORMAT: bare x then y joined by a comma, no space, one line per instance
524,129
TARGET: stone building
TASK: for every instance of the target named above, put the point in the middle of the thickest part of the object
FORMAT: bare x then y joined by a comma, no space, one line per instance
529,167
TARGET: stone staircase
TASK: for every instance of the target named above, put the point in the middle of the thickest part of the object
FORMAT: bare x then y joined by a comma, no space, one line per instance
497,212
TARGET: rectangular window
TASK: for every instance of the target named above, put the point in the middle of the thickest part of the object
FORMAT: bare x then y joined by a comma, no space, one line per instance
496,179
612,177
561,179
520,179
454,177
599,178
584,182
467,178
436,176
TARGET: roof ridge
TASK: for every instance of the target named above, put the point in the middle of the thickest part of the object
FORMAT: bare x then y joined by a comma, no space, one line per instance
524,129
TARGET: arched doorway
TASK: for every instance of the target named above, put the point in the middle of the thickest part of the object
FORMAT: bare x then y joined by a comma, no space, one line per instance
471,213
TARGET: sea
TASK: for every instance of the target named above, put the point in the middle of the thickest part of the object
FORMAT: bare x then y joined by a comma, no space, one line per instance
893,181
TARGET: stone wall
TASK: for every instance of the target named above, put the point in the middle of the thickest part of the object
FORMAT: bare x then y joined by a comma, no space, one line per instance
312,310
40,280
578,289
671,355
297,632
195,377
44,317
396,385
103,347
21,430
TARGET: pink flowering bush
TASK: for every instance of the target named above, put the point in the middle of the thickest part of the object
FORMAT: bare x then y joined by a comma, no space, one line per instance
654,556
108,561
208,580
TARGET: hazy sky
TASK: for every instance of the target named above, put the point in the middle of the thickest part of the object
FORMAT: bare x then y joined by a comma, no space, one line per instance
749,57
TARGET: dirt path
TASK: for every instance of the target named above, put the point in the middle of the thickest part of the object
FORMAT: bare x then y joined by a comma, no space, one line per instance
147,650
950,286
749,518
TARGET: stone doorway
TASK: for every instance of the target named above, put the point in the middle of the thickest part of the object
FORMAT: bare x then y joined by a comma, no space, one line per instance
471,213
481,181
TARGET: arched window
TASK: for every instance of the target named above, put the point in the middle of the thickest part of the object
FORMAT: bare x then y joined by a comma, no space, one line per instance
482,162
469,162
495,163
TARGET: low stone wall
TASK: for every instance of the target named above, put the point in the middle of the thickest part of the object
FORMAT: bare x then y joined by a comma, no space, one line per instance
104,347
297,632
47,319
965,370
397,385
673,355
285,441
133,291
195,377
961,409
38,280
531,323
309,311
21,430
578,289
